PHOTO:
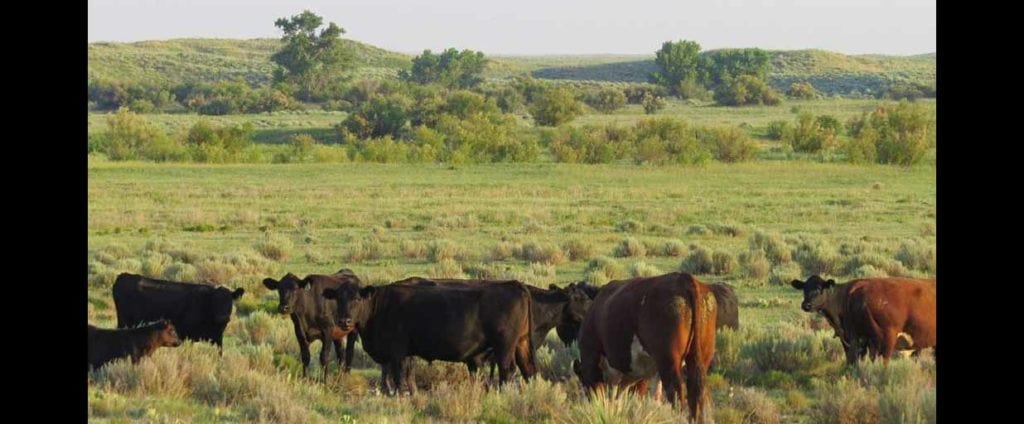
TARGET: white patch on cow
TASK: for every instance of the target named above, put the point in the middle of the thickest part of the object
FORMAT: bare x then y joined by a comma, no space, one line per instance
641,365
904,341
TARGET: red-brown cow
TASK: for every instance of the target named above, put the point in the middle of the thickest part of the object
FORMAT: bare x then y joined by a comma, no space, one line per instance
642,326
875,315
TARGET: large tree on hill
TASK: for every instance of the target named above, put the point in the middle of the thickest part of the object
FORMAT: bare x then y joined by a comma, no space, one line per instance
451,68
679,64
313,62
726,64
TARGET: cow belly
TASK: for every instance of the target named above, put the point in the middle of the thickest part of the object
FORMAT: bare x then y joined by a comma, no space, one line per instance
641,366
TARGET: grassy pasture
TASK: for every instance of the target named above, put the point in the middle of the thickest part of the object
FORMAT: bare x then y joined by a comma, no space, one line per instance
236,224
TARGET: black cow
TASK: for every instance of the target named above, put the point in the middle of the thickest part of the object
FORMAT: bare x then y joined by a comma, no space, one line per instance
106,345
198,311
728,306
398,321
313,317
554,306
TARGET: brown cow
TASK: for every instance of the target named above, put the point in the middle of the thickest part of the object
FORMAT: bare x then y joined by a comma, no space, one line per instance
642,326
106,345
882,315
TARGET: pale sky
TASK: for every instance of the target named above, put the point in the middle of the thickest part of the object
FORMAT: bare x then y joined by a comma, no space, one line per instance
900,27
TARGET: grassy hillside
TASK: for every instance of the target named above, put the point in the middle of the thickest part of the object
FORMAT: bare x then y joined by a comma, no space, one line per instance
176,61
195,59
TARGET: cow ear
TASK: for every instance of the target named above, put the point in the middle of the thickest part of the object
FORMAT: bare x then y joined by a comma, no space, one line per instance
270,283
305,283
554,287
830,283
237,293
367,291
330,294
797,284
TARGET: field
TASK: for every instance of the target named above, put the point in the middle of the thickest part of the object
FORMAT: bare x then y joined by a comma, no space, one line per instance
542,223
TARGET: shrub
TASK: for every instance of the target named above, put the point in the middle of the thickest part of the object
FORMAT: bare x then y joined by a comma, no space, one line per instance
772,244
816,257
629,247
439,250
652,104
643,269
755,406
577,249
776,129
802,90
810,134
755,264
675,248
782,274
746,90
366,249
274,247
555,106
447,268
900,134
917,255
542,252
699,261
730,144
504,250
602,269
723,263
665,140
607,100
413,249
218,145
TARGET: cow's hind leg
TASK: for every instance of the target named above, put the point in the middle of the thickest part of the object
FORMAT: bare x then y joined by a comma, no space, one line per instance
671,374
524,358
888,343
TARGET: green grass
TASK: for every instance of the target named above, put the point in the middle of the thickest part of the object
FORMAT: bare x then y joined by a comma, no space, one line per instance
142,213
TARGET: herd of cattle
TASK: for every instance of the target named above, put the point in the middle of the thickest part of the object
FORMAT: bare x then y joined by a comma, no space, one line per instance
628,331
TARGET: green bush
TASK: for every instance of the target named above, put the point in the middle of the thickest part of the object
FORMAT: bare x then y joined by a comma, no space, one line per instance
218,144
601,269
607,100
901,134
699,261
666,140
802,90
729,144
811,135
776,129
629,247
555,107
652,104
746,90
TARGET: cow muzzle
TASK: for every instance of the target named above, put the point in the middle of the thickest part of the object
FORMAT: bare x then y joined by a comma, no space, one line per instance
346,324
806,306
285,309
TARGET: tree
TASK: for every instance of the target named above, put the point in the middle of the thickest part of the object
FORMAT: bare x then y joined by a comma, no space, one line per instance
314,62
555,107
721,66
678,62
452,68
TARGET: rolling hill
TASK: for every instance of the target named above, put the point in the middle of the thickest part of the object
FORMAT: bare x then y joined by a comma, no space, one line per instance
172,62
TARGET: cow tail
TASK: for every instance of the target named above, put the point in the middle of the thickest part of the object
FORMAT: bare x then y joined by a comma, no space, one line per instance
700,353
529,340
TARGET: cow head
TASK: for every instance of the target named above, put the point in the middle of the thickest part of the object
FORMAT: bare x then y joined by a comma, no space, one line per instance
167,336
574,312
816,291
353,304
221,303
287,291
